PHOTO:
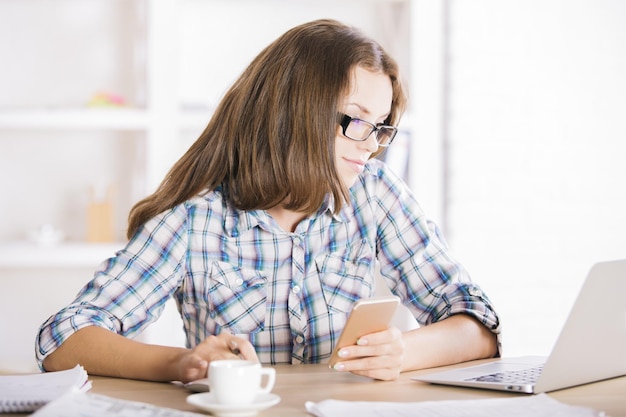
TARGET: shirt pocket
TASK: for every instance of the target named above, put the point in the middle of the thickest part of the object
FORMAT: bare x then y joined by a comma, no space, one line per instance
346,278
237,298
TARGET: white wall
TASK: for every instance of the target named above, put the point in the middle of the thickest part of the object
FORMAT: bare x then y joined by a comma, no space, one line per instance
28,296
537,142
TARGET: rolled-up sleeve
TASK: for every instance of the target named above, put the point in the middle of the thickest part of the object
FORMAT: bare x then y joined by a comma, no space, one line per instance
128,291
417,265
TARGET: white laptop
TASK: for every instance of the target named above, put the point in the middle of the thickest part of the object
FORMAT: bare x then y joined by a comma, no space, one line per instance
591,346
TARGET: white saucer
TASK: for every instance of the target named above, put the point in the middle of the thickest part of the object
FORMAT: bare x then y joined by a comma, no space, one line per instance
206,402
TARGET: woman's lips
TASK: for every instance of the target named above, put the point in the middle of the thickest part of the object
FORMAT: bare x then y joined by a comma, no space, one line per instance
356,165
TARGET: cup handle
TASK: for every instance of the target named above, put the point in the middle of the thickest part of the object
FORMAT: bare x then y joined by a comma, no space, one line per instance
269,383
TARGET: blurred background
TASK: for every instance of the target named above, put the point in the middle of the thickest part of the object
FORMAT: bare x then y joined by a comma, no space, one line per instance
514,141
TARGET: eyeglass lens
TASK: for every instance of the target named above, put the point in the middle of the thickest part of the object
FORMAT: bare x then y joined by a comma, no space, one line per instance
361,130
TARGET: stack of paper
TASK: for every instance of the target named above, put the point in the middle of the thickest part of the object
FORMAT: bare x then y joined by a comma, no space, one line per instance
26,393
533,406
80,404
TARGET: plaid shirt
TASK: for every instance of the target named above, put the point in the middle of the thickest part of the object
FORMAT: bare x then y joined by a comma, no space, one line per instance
288,293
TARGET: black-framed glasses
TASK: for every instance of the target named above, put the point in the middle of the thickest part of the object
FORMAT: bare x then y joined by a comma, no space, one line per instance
360,130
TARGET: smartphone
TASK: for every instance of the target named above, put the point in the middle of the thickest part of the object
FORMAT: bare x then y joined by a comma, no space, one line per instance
369,315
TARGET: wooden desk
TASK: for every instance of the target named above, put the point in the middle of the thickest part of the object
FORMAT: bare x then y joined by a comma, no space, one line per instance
297,384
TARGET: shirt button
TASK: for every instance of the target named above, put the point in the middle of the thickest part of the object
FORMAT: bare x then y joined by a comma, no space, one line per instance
239,281
299,339
475,292
295,289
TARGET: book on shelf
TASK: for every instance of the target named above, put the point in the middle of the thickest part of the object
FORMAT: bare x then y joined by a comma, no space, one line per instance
27,393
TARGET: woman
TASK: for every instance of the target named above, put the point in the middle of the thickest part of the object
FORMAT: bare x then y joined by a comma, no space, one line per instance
268,229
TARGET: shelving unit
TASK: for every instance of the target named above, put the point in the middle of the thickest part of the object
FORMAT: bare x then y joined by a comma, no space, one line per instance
170,60
154,54
71,119
148,127
64,255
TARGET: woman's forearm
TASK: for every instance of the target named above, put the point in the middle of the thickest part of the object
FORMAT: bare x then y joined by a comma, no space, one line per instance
102,352
456,339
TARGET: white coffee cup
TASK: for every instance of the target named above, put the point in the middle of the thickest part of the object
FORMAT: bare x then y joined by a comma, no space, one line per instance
239,381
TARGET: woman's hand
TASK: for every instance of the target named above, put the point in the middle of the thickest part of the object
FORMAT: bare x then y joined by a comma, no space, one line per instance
194,363
378,355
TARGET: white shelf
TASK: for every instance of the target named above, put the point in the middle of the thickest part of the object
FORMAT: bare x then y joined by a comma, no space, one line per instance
62,255
88,118
105,119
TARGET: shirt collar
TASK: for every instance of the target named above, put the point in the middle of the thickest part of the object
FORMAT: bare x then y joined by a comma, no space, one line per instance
237,221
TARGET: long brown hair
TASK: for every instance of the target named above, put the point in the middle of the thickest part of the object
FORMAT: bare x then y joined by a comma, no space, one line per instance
271,139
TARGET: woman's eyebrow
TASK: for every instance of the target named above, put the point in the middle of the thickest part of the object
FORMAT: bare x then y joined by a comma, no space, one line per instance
363,109
366,111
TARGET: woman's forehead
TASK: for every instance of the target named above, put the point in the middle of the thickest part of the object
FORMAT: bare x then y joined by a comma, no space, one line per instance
370,92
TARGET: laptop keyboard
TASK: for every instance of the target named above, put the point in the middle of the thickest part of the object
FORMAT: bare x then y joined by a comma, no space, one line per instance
523,376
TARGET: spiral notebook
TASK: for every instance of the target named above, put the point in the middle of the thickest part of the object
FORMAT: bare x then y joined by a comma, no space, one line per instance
27,393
